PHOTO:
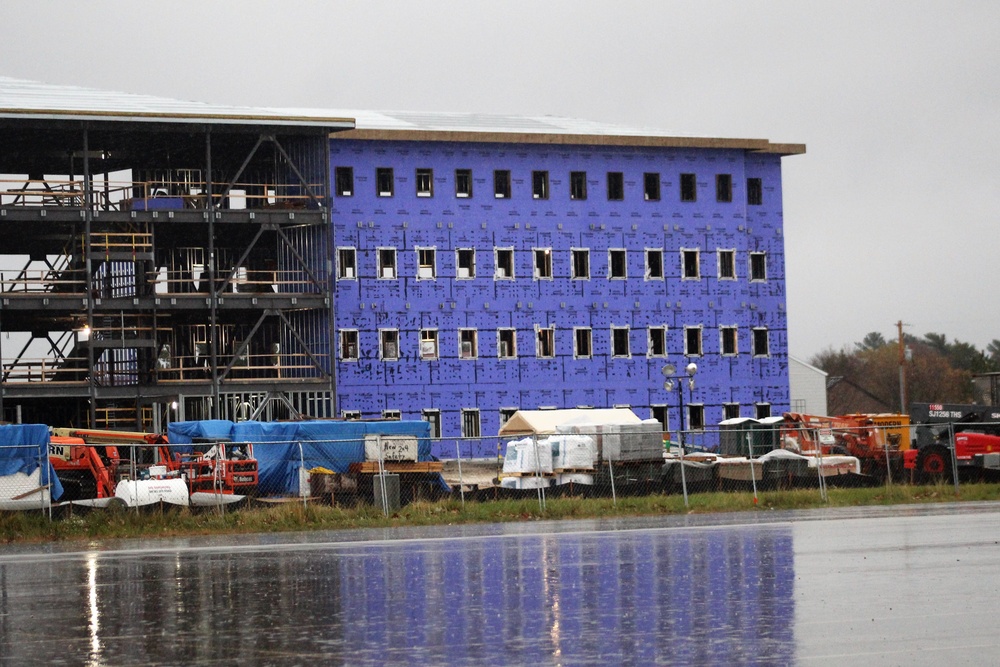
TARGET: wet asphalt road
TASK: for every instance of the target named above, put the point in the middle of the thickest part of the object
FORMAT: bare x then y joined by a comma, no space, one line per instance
874,586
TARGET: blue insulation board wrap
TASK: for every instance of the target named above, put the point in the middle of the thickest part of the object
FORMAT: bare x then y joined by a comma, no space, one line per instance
22,448
326,444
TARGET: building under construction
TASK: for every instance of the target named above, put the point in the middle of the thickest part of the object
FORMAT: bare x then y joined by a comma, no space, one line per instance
161,260
165,260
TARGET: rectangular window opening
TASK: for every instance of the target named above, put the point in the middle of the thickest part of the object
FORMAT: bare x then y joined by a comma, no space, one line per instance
384,181
730,410
545,347
651,186
507,343
657,341
543,263
465,263
692,264
762,410
463,183
581,263
696,417
540,184
389,344
692,341
661,414
689,188
504,258
620,342
616,186
425,182
727,264
386,263
501,184
426,263
729,341
582,343
761,345
654,264
758,266
392,415
344,177
432,417
468,343
348,345
617,264
347,263
428,344
578,185
755,192
470,422
723,187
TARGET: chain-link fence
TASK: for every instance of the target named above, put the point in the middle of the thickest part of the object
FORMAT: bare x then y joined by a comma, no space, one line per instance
391,470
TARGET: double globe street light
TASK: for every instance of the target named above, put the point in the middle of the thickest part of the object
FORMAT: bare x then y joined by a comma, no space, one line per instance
670,372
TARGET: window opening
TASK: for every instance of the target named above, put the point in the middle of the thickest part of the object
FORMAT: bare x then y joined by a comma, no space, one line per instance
616,186
428,344
347,263
724,187
692,341
581,263
344,177
501,184
389,344
657,341
546,343
543,263
651,186
384,181
463,183
758,266
727,264
465,261
540,184
577,185
689,187
619,342
755,192
582,343
386,263
692,265
729,340
426,263
425,182
507,343
617,265
468,343
504,258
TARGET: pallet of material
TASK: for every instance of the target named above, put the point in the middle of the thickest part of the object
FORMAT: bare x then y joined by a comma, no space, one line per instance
527,474
570,471
371,467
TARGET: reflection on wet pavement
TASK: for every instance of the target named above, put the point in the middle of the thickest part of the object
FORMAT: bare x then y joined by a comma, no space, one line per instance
775,591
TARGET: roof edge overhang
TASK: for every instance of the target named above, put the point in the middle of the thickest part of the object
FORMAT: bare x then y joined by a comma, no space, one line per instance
336,125
755,145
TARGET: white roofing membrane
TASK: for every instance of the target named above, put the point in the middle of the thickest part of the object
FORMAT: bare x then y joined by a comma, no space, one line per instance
20,98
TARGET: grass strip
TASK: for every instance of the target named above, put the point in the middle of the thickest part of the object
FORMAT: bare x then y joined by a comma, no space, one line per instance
29,527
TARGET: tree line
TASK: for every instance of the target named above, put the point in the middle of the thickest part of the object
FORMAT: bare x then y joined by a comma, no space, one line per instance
864,377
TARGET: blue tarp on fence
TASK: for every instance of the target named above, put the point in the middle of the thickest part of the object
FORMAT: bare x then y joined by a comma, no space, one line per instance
326,444
23,447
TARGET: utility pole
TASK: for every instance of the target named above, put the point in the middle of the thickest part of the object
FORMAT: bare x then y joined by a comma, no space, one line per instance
902,370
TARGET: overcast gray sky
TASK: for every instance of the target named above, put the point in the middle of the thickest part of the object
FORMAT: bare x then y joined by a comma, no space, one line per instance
890,215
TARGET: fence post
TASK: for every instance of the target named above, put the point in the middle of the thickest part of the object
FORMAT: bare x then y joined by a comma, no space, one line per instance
302,467
954,455
753,476
461,482
538,474
684,486
819,465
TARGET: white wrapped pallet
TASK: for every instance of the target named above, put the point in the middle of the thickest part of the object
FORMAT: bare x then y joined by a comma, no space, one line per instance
573,452
510,460
534,456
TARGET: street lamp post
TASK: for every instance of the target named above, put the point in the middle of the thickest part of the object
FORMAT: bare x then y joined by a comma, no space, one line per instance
670,371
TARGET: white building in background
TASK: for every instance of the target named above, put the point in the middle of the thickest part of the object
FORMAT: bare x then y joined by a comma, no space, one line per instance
807,385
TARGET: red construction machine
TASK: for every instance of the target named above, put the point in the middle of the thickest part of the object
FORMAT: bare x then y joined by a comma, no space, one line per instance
215,468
